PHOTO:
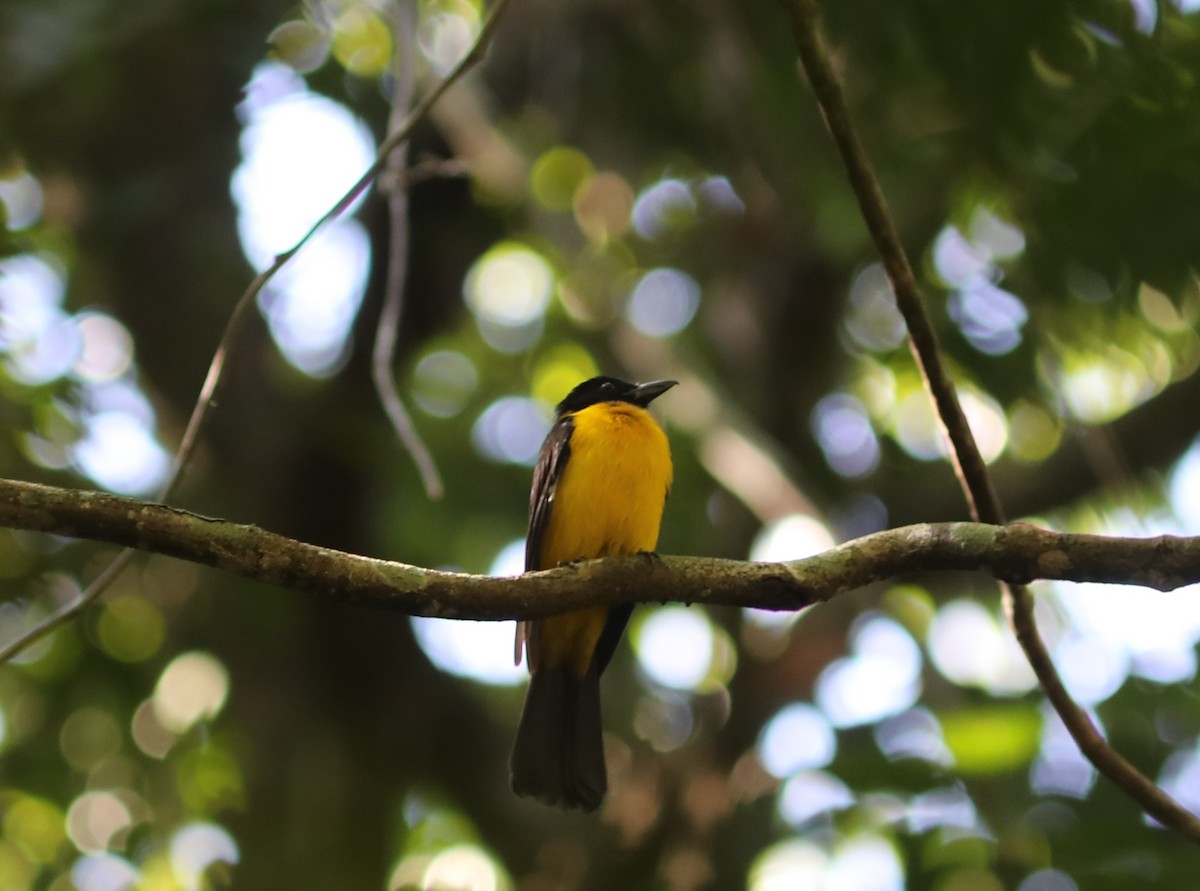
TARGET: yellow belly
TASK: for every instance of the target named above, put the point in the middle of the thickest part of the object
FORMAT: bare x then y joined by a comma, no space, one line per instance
609,500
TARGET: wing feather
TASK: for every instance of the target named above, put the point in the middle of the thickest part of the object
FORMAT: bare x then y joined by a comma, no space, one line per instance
546,473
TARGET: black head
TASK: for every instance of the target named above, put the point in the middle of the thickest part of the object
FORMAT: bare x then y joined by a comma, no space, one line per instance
611,389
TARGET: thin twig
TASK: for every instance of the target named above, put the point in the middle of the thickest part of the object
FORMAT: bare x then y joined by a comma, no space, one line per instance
241,310
183,455
383,354
968,462
429,167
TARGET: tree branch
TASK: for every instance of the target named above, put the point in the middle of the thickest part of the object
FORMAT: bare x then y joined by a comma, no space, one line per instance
1019,553
968,462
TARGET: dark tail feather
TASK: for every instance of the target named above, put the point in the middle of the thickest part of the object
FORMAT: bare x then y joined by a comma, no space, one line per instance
558,757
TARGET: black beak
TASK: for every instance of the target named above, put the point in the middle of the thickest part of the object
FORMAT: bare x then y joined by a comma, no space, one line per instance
644,394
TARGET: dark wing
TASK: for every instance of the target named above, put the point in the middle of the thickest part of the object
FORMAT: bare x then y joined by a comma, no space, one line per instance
550,463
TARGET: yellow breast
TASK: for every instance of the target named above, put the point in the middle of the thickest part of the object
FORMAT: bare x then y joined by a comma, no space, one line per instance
609,499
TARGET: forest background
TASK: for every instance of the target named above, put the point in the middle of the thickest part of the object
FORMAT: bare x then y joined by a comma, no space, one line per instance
640,189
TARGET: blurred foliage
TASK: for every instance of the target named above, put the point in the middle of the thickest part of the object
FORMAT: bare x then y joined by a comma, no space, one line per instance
651,193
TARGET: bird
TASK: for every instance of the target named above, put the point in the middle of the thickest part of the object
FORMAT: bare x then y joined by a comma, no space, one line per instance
599,488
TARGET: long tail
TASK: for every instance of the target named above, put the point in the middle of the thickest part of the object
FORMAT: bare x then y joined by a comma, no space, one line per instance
558,757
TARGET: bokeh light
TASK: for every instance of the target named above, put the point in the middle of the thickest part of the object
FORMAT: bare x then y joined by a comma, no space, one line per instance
664,719
718,193
810,794
1160,311
881,677
865,863
1180,777
787,866
104,872
989,317
193,687
797,738
508,290
465,867
1060,768
38,341
36,825
311,303
95,819
674,646
843,429
510,561
792,537
959,262
480,651
131,628
665,206
1098,389
209,778
511,430
299,44
1156,641
106,348
1092,669
947,807
442,853
444,382
1048,880
1034,433
969,647
872,319
663,302
148,732
23,199
557,175
915,733
917,428
300,153
510,285
362,40
120,453
446,31
88,736
1182,489
194,850
560,370
603,204
995,238
990,739
988,423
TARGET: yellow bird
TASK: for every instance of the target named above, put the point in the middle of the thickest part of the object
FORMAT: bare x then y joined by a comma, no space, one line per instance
599,487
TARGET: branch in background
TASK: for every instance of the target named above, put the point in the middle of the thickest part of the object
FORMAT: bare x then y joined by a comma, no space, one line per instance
383,354
241,309
969,465
1019,552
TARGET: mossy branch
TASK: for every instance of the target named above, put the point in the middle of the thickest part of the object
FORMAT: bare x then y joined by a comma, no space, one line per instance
1015,553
